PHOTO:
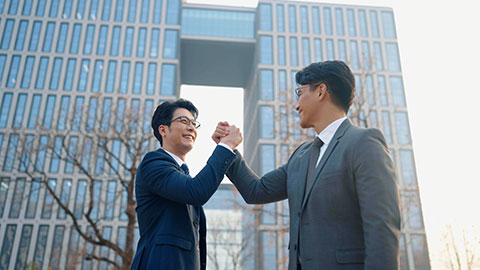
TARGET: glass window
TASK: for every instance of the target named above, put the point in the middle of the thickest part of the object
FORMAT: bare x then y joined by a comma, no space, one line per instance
83,78
54,8
407,163
382,89
5,109
110,83
87,46
19,111
77,118
67,9
121,104
144,12
292,80
10,153
387,129
281,50
168,82
127,50
23,247
49,34
151,79
4,182
115,41
102,40
106,109
283,123
266,84
97,190
388,25
7,34
265,17
86,153
267,154
154,43
267,122
378,56
362,22
316,20
269,213
40,8
132,10
396,86
280,18
173,10
147,115
7,245
55,76
12,75
125,77
69,74
56,154
80,9
3,59
56,247
63,114
170,45
72,244
374,23
104,250
49,112
327,18
266,50
411,202
373,119
97,76
137,80
100,161
142,36
292,19
17,198
342,50
12,10
34,111
339,22
354,54
25,155
62,38
304,19
352,27
40,246
92,114
41,153
330,50
366,55
269,250
318,50
107,6
370,90
282,84
48,199
420,251
119,11
71,154
80,198
393,59
21,34
34,38
27,8
157,15
116,149
293,51
306,51
93,10
403,130
77,31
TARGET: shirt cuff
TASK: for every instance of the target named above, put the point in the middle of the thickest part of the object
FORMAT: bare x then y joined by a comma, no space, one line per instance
226,146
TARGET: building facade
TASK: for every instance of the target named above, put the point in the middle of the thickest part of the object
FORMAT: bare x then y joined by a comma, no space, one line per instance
77,56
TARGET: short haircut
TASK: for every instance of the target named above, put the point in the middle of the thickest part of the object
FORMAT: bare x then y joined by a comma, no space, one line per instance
336,75
164,114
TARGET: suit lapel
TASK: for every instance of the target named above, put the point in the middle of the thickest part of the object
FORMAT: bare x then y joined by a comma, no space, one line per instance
302,172
331,147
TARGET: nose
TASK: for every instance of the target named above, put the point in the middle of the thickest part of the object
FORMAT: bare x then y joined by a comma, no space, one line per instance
297,107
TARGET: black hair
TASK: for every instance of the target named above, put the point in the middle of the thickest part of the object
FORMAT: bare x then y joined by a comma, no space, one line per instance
164,113
336,75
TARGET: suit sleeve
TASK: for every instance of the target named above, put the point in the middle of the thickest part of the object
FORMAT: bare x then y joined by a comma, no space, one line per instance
271,187
379,201
160,177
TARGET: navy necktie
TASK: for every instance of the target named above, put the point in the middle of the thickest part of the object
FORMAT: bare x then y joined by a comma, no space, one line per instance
185,168
316,145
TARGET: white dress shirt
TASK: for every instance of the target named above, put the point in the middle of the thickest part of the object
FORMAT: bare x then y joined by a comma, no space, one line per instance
326,136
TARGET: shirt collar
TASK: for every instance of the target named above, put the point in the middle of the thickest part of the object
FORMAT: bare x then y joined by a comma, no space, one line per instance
327,134
179,161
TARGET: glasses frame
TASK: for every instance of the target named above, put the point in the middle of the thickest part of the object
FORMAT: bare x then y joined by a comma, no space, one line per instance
297,96
187,122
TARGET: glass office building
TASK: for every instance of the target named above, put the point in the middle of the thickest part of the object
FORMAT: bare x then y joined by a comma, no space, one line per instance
76,54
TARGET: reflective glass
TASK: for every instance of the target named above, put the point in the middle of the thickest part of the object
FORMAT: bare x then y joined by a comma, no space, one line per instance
27,8
362,22
92,114
48,199
119,11
7,246
393,59
268,214
97,76
265,16
13,72
49,34
151,79
142,39
100,160
304,19
407,165
374,23
93,13
78,111
354,55
12,10
23,247
420,249
110,82
34,111
352,27
88,44
34,38
25,155
267,154
283,123
154,43
105,251
62,38
342,50
115,41
293,51
144,11
371,97
147,115
281,50
170,45
40,8
306,51
396,86
327,20
388,25
116,149
42,72
77,30
86,153
106,110
330,49
173,11
318,49
292,19
57,150
69,74
382,89
266,84
19,111
102,40
63,114
282,84
403,130
121,104
56,247
41,153
4,182
367,61
168,82
3,59
80,198
21,34
266,50
125,77
137,80
83,78
40,246
132,10
53,8
97,190
316,20
107,6
80,9
339,22
67,9
7,34
377,47
56,71
10,153
17,198
5,109
387,128
267,122
280,18
157,15
127,50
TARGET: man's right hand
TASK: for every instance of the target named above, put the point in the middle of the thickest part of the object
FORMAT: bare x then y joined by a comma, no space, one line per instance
234,137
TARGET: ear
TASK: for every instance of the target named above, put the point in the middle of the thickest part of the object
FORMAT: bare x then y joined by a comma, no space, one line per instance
322,90
162,129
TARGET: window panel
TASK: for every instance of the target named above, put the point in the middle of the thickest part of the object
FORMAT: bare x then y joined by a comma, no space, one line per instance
266,85
292,19
170,45
106,109
114,48
282,84
173,10
105,251
73,244
10,153
41,153
366,55
269,250
327,20
83,78
21,34
266,50
71,154
304,19
268,214
5,109
147,115
339,22
88,44
370,90
378,56
306,51
168,82
125,77
62,38
7,34
387,129
388,23
57,244
316,20
151,79
69,74
373,119
132,10
157,15
265,17
86,153
144,11
27,8
403,130
396,86
40,8
374,23
57,153
107,6
352,27
92,114
382,89
119,10
127,50
110,200
55,76
154,43
54,8
12,10
25,156
17,198
411,203
40,246
111,75
34,38
7,245
420,251
49,34
123,206
362,23
77,31
80,9
13,72
330,49
142,39
80,199
97,190
23,247
3,59
121,104
34,111
293,51
137,81
281,50
280,18
19,111
97,76
67,9
267,122
4,182
283,122
49,112
354,55
64,198
393,59
93,13
32,203
342,51
318,50
100,161
102,40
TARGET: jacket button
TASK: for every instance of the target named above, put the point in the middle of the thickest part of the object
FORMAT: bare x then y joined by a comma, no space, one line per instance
198,247
195,223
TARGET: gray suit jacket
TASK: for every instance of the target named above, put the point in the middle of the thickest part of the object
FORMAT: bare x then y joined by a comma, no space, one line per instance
348,217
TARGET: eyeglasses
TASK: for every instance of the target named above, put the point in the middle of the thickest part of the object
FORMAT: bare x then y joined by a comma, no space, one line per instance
184,120
297,90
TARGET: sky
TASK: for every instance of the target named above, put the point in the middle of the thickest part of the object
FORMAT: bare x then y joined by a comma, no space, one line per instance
439,45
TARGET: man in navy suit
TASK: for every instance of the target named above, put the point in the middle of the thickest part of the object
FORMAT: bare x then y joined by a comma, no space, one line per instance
169,201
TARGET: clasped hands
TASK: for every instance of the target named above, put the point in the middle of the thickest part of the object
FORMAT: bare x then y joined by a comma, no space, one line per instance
227,134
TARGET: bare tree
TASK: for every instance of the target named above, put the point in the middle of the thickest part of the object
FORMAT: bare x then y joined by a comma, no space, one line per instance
461,249
95,146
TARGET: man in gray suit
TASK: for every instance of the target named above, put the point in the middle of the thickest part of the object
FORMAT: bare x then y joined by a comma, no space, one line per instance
341,187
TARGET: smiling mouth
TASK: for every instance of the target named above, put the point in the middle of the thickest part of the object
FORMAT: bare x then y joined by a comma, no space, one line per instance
189,137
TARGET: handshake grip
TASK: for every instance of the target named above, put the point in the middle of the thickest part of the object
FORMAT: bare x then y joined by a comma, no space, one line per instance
227,134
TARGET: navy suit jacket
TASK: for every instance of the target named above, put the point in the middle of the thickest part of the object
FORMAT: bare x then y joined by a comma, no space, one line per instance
163,192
